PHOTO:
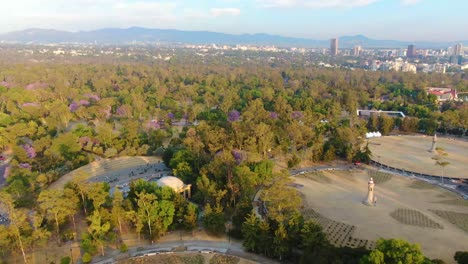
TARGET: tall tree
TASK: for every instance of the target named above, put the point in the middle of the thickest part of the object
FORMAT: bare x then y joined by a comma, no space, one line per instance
55,207
98,229
118,212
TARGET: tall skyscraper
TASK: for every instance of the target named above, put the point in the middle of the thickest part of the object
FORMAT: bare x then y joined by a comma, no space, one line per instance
357,51
458,50
334,46
411,53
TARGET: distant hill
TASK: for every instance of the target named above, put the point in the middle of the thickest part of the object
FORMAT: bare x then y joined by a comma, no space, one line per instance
147,35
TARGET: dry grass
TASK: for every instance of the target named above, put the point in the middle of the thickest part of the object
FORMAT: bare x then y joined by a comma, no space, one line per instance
458,219
167,259
317,176
380,177
421,185
457,202
338,233
224,259
414,218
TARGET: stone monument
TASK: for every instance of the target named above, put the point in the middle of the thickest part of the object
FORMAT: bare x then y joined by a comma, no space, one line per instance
434,141
370,200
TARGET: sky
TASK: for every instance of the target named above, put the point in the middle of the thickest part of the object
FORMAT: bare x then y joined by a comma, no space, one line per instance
409,20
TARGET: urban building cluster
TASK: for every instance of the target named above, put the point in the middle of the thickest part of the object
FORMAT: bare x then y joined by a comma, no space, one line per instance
410,59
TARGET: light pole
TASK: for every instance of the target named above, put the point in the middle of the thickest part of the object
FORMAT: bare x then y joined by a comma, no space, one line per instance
228,230
71,254
180,231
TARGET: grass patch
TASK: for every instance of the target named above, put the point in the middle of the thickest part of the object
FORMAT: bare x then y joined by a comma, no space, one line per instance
457,202
167,259
224,259
380,177
414,218
348,174
317,176
422,185
338,234
458,219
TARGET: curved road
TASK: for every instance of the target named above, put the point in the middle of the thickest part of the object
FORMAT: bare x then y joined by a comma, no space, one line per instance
233,248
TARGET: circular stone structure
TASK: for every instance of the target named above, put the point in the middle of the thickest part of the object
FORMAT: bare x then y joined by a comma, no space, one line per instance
412,153
407,209
176,184
170,181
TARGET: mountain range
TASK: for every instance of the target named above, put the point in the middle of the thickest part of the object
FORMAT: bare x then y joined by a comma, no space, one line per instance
131,35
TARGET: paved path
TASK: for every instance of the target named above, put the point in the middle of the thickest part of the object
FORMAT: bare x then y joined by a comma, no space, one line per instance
169,247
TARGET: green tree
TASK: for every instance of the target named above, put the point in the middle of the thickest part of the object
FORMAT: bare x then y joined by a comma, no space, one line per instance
118,212
18,223
55,207
440,160
280,242
394,251
98,229
213,219
250,231
461,257
190,217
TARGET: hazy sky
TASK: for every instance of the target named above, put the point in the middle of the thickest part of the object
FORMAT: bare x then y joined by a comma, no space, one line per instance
433,20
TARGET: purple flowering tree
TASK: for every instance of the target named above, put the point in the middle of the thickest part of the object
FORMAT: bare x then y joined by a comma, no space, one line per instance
297,115
171,116
153,124
4,84
84,102
73,107
233,116
274,115
36,85
34,104
237,154
124,110
30,151
25,165
93,97
6,173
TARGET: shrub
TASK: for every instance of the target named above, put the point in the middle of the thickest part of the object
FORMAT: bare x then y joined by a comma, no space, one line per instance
461,257
123,248
65,260
294,161
86,258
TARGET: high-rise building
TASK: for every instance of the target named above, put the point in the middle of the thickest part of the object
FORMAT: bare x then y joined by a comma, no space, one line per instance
357,51
334,46
458,50
411,53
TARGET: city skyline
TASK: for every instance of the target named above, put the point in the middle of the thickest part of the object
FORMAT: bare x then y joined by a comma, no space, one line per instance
405,20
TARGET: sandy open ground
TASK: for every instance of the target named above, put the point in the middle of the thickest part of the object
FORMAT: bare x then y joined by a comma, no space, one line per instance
338,196
411,153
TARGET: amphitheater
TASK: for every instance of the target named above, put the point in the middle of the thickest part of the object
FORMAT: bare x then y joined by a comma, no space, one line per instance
407,208
411,153
115,170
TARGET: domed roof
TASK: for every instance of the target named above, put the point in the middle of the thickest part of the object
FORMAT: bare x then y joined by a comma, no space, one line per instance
171,181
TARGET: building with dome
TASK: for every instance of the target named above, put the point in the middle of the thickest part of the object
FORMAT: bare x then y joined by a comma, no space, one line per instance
176,184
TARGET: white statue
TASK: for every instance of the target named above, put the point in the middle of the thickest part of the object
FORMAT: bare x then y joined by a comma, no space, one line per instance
371,200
